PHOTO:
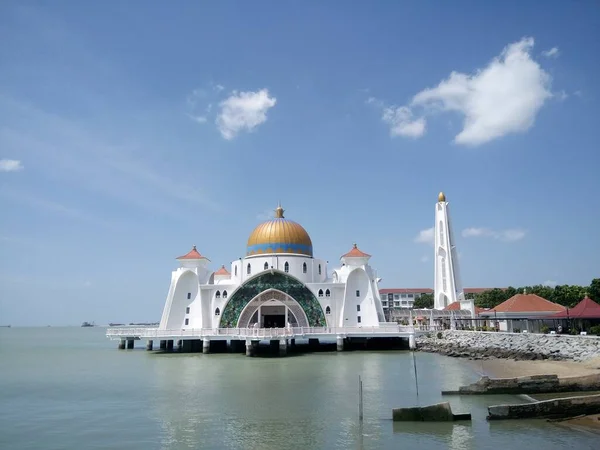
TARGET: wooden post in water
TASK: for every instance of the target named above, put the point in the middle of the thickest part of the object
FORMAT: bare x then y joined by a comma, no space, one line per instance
416,376
360,399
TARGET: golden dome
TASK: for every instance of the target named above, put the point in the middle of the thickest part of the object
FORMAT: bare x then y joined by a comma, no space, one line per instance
279,235
441,197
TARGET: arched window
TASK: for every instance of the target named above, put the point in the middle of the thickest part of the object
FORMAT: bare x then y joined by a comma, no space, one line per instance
218,294
328,310
327,293
303,267
319,269
248,269
286,267
217,312
320,292
266,265
235,271
224,294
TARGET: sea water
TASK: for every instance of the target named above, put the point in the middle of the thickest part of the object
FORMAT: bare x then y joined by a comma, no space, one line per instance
70,388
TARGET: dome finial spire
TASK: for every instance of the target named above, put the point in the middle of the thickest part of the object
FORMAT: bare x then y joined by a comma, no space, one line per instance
279,211
441,197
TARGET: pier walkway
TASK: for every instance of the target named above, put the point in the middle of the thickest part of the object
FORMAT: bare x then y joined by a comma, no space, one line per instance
195,339
392,330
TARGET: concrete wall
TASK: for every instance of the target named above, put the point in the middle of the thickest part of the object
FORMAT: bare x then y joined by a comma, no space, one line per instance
564,407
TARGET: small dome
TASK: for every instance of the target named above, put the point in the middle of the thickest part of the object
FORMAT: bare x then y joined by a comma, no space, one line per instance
279,235
441,197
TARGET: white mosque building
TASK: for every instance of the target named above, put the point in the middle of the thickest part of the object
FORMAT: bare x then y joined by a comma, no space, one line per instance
279,291
278,284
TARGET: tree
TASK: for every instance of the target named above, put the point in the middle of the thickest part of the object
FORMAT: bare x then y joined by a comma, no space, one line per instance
594,290
491,298
424,301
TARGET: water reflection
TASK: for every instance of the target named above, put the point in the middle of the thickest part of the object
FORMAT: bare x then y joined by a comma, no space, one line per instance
311,402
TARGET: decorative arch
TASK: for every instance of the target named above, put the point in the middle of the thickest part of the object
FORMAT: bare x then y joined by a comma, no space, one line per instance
266,266
328,310
248,269
327,293
224,294
252,307
217,312
320,292
273,279
218,294
286,267
304,267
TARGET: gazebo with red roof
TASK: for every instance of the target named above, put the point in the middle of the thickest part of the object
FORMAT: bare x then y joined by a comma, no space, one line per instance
585,309
522,311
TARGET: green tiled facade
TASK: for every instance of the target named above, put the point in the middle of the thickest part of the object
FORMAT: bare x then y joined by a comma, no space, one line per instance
277,280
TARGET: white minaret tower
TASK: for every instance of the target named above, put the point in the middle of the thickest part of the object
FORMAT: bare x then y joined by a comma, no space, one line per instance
447,286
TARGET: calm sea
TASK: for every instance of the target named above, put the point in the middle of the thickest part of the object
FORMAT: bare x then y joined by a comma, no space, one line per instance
70,388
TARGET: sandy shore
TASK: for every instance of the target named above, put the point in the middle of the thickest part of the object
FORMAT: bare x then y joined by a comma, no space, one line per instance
507,368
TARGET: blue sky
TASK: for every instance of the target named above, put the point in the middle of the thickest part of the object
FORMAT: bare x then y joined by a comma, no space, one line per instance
130,131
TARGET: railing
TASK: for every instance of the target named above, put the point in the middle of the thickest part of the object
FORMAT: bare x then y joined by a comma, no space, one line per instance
265,332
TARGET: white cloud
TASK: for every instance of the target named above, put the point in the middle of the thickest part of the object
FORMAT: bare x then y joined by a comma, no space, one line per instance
243,111
507,235
549,283
552,53
402,123
10,165
425,236
502,98
562,95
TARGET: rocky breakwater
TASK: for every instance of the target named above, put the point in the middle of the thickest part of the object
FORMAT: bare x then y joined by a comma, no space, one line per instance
517,346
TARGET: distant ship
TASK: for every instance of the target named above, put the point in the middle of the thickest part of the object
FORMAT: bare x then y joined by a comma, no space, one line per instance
88,324
4,326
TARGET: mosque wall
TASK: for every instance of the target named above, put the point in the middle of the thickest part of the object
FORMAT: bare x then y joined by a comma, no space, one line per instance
181,297
359,307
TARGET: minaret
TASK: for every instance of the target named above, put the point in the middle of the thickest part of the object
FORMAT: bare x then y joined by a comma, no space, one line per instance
447,285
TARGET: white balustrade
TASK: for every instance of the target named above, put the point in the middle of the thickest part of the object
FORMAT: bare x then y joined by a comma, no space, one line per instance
265,333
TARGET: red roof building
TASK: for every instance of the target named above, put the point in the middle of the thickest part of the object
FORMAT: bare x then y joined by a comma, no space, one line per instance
585,309
527,303
456,307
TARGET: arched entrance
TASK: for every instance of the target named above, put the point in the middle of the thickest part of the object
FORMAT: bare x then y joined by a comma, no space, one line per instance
272,309
268,281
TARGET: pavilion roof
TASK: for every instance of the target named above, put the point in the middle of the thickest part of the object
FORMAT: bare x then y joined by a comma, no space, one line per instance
585,309
527,303
192,254
356,253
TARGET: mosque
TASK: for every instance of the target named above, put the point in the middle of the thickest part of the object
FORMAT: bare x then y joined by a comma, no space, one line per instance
278,284
279,292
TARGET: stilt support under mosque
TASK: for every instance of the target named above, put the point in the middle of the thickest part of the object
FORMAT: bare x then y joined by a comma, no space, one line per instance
313,344
170,345
251,347
163,344
130,344
340,343
122,344
412,343
206,346
282,347
149,345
